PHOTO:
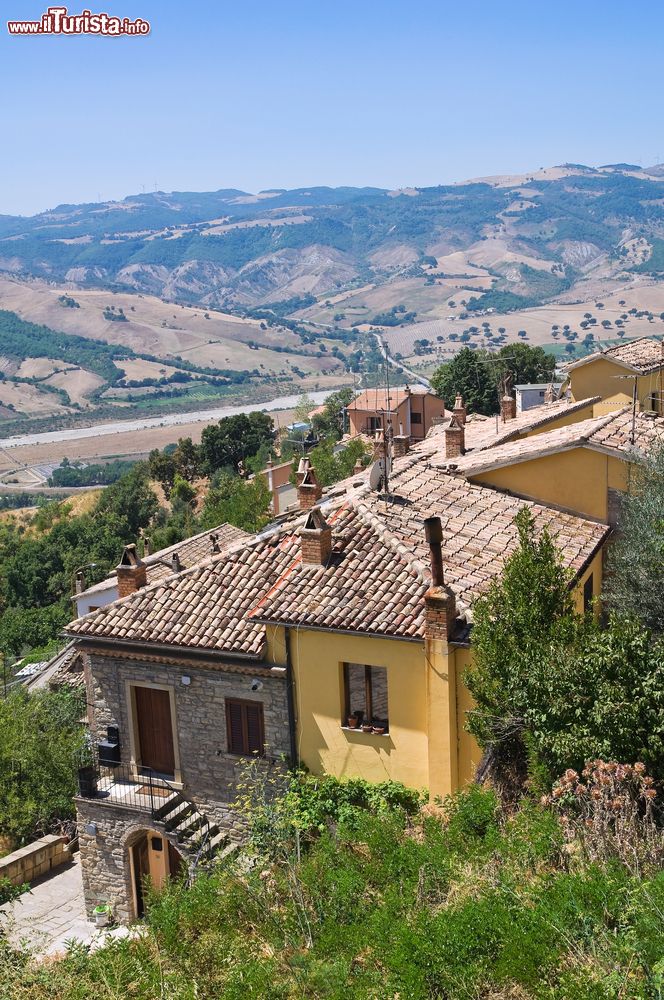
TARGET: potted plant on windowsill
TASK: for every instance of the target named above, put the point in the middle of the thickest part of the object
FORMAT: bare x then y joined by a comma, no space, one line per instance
102,915
354,720
367,727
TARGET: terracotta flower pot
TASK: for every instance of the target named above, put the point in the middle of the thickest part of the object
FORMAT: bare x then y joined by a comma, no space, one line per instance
367,728
352,721
378,730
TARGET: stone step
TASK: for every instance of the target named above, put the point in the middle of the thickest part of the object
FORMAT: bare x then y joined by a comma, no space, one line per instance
178,815
169,806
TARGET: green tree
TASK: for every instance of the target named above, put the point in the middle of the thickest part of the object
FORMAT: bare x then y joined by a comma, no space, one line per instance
635,582
233,500
468,375
330,423
233,439
163,468
41,741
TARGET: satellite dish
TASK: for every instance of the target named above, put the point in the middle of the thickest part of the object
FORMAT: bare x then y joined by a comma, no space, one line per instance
377,475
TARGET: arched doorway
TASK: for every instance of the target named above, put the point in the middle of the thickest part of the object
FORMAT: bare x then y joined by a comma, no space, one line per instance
153,857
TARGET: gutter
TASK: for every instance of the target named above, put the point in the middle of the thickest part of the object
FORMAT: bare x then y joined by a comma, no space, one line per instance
290,697
161,649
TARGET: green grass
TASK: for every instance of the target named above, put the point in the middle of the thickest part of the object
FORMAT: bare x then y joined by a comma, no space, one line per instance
388,906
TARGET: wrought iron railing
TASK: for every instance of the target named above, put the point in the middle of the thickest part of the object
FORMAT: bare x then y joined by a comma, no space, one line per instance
125,785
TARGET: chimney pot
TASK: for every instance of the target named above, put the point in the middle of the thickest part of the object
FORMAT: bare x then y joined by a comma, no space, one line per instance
459,410
309,490
316,538
131,572
433,532
175,563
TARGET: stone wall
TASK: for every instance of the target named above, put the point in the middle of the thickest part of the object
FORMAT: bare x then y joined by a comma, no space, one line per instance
34,860
208,771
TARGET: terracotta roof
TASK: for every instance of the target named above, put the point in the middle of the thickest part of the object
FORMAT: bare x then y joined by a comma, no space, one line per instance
526,449
374,581
487,432
616,432
190,552
612,432
643,355
377,399
193,550
202,608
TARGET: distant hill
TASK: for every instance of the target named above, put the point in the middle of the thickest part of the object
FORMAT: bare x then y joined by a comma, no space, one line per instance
547,232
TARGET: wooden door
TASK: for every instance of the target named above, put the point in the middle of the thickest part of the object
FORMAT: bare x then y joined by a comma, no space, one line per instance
154,727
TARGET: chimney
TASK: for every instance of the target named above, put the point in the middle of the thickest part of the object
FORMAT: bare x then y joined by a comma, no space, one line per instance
146,545
400,445
508,407
439,601
380,446
459,410
131,572
80,581
302,468
316,538
549,394
309,490
176,565
214,541
358,468
455,438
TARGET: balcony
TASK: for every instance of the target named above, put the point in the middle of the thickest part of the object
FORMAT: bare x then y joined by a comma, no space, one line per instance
121,785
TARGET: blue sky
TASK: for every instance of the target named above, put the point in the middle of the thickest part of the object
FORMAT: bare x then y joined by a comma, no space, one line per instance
285,93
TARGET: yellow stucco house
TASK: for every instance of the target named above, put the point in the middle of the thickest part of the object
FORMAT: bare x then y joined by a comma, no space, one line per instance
620,374
582,467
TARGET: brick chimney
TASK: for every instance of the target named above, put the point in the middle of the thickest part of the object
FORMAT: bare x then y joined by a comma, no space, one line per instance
459,410
316,538
131,572
508,407
439,600
309,490
400,445
455,438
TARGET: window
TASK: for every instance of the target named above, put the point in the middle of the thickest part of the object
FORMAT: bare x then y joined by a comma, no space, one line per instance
588,590
365,696
244,726
375,423
416,418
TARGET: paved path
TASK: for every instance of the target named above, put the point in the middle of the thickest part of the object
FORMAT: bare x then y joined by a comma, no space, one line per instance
52,914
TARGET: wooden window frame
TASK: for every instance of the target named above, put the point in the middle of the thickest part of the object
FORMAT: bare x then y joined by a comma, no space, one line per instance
244,703
368,694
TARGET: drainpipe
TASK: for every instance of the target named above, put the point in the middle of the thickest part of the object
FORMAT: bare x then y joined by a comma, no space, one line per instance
290,698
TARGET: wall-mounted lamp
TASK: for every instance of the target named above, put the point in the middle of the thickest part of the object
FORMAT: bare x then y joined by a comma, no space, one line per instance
91,829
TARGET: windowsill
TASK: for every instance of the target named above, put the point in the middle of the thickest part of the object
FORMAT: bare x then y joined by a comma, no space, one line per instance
361,732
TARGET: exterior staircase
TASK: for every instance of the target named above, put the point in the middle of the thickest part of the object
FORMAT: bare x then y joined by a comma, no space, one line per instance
194,833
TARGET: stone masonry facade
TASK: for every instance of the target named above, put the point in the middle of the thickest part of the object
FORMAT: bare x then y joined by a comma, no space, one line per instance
208,772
